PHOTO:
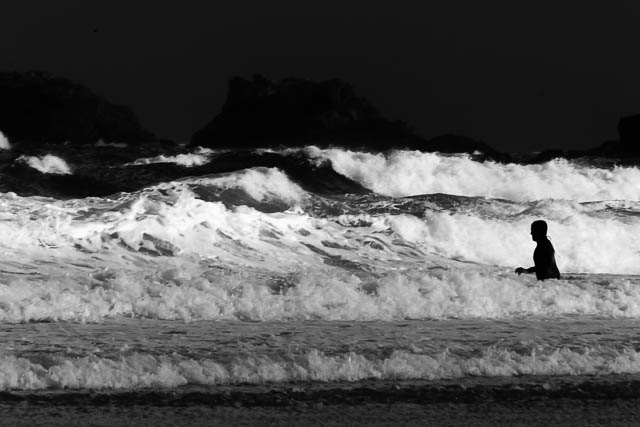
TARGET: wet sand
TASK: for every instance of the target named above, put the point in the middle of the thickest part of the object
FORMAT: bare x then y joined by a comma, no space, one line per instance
561,412
611,400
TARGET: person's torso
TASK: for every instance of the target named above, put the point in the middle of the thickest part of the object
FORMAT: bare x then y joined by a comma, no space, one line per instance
545,261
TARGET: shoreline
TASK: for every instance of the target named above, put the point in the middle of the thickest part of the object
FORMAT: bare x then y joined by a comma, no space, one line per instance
577,403
563,412
469,390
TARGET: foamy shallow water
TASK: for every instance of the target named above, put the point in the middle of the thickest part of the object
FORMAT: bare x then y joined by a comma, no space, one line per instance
130,354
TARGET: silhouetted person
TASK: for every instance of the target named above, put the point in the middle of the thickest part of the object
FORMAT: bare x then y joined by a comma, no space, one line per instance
544,255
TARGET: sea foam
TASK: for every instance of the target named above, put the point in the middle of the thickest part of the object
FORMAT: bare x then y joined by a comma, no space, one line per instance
199,157
49,164
4,142
188,290
166,253
582,243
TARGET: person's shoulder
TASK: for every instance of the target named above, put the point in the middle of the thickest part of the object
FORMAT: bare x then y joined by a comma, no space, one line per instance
548,244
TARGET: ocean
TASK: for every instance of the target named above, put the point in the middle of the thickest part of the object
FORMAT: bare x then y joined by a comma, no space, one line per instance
255,278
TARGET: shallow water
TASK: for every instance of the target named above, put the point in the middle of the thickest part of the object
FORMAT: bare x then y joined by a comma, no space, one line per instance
122,353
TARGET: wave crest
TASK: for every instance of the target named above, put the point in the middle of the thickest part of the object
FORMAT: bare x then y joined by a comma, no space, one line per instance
143,371
48,164
408,173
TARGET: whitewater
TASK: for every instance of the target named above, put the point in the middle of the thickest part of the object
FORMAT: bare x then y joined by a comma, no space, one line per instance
272,268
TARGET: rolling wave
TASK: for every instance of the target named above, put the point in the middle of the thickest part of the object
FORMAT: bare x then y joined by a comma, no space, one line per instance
137,371
408,173
48,164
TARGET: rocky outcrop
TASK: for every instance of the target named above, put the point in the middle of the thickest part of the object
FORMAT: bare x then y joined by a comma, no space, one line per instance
627,146
259,112
629,131
629,134
295,112
36,107
622,151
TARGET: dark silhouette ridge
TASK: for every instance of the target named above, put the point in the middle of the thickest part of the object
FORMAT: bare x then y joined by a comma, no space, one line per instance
36,107
628,143
259,112
39,108
296,112
624,150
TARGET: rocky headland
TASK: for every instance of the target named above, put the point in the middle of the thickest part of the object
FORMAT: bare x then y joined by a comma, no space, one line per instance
39,110
36,107
624,150
294,112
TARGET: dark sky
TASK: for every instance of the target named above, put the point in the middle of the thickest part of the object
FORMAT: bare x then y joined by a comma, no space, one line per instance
518,75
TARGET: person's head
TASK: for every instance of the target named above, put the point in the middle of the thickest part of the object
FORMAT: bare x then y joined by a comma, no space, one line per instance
538,230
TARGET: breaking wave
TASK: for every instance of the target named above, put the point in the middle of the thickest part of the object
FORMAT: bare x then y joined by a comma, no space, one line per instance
144,370
4,142
408,173
199,157
48,164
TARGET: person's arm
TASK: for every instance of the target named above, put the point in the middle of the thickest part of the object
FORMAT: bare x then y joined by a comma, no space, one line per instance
521,270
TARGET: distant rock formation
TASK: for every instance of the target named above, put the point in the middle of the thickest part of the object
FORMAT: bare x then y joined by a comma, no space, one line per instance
629,131
36,107
624,150
627,146
295,112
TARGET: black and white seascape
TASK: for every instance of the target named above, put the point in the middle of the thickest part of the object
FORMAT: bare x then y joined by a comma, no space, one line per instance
301,250
335,269
336,213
